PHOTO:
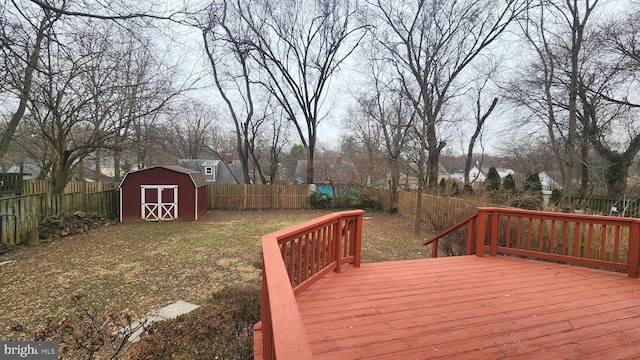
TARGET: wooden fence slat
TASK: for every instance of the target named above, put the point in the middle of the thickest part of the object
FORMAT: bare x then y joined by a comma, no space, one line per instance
258,196
21,215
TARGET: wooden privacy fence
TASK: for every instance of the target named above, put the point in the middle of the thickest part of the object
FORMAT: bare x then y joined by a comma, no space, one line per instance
625,207
438,211
30,187
21,215
605,242
248,197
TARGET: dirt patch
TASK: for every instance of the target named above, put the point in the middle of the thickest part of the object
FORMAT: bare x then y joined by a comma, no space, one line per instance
141,267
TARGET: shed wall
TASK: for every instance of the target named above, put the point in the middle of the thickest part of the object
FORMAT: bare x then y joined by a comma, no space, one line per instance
131,199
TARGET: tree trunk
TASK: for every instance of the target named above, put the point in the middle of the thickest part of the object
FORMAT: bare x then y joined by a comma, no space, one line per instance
310,157
395,183
117,156
433,157
584,168
61,174
25,91
418,222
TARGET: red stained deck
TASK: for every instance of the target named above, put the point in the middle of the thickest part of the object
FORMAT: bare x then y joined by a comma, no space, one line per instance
472,307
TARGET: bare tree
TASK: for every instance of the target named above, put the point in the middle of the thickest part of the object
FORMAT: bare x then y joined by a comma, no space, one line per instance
299,46
61,107
192,124
480,120
390,115
431,43
606,89
21,41
225,38
31,23
81,100
275,140
578,82
143,88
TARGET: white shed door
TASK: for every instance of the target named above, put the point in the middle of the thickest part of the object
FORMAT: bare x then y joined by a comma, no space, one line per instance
159,202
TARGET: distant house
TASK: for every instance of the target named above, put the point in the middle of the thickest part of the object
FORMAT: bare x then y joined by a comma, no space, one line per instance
30,170
409,178
102,168
480,175
503,172
228,171
208,168
475,176
547,182
329,177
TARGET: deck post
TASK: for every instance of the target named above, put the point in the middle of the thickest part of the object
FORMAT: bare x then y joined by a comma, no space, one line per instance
341,233
634,249
482,227
471,227
358,240
494,233
268,350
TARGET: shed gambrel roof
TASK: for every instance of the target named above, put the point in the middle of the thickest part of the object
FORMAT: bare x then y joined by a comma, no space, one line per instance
196,177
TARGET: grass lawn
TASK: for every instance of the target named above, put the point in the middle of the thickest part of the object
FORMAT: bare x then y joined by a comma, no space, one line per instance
141,267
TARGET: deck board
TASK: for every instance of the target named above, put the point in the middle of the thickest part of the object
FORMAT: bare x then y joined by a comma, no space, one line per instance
472,307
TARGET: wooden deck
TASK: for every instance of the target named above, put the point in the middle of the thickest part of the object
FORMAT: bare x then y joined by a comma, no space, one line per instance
472,307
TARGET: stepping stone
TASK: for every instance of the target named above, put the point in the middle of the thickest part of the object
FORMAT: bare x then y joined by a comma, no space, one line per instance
168,312
176,309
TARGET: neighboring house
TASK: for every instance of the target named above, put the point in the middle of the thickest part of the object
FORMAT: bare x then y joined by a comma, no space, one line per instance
475,176
30,170
503,172
208,168
106,164
480,175
228,171
329,177
409,179
547,182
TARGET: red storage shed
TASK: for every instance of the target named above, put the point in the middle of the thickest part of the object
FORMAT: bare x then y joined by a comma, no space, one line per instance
163,193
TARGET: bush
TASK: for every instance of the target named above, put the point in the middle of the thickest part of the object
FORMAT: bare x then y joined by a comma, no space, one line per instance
83,334
368,203
220,329
509,183
493,179
319,200
556,197
532,183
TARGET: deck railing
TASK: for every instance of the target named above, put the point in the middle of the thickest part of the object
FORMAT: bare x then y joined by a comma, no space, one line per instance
605,242
293,259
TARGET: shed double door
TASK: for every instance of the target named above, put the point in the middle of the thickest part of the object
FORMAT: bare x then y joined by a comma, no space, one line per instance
159,202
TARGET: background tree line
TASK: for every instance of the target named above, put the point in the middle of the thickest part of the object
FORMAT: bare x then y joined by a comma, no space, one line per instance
555,82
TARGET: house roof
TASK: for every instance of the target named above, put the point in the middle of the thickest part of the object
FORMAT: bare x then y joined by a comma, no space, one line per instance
196,176
197,164
225,171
